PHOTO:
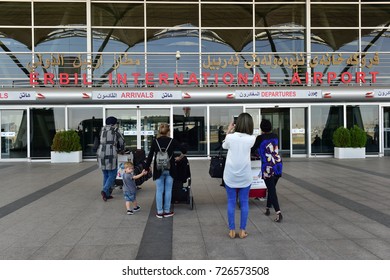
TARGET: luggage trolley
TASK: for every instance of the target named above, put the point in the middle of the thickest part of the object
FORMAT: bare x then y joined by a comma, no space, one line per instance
258,188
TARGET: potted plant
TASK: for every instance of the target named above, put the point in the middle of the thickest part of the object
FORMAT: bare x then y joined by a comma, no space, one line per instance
349,143
66,147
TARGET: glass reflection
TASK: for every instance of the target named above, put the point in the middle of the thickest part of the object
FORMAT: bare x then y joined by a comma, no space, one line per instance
220,118
88,122
44,122
13,133
367,118
324,121
189,126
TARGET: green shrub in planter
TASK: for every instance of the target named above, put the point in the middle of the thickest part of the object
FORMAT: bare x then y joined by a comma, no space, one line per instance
358,137
66,141
342,137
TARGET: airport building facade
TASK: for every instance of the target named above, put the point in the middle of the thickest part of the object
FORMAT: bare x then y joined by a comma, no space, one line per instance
308,66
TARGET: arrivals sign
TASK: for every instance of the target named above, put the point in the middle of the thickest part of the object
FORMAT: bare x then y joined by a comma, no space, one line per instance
136,95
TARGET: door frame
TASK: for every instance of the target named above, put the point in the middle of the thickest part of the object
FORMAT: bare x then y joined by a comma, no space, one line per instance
138,109
289,106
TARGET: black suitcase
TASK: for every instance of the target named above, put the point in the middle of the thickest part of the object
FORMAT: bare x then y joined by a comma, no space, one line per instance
181,189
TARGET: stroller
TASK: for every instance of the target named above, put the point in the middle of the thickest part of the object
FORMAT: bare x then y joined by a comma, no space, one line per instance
138,159
181,189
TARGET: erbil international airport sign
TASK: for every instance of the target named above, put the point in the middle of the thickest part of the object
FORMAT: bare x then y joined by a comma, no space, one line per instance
212,73
261,86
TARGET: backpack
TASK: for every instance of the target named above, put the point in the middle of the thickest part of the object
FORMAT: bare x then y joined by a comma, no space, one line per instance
162,158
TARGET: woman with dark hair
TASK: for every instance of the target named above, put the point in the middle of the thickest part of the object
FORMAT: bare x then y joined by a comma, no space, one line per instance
267,146
237,174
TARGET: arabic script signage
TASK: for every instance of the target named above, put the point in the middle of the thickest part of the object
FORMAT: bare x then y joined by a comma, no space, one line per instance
382,93
136,95
23,95
277,94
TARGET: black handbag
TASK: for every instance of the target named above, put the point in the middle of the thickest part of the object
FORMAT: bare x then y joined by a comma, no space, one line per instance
217,165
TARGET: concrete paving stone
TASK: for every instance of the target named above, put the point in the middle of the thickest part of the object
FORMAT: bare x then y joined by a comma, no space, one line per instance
51,253
377,247
319,250
86,252
126,235
260,250
290,250
97,236
120,252
350,250
192,233
376,229
352,231
18,253
67,237
353,217
327,217
297,233
226,249
188,250
322,231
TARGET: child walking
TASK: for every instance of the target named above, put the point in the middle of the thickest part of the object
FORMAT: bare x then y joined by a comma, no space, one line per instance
129,187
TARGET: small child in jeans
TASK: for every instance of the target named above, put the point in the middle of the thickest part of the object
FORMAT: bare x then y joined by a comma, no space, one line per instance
129,187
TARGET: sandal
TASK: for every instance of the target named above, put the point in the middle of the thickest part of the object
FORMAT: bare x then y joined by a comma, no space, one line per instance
243,234
279,217
267,212
232,234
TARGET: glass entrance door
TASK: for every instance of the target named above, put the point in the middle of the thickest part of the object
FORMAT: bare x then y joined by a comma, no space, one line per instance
280,119
13,133
139,125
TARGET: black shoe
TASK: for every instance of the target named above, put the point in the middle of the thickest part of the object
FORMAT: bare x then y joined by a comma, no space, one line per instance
279,217
104,196
267,212
110,197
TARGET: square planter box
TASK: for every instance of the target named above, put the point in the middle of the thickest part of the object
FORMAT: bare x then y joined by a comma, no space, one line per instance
342,153
62,157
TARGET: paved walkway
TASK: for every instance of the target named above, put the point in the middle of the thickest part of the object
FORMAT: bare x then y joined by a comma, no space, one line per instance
333,209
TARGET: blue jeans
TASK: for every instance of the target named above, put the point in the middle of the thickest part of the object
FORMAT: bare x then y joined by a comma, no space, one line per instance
108,180
164,187
243,195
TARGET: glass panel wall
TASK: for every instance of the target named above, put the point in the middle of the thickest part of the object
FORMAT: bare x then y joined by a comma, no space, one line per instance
127,124
150,121
367,118
88,122
220,118
189,126
44,122
386,131
13,133
280,120
325,119
299,130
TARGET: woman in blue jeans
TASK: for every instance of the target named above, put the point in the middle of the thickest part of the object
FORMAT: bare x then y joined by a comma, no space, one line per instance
237,174
163,178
